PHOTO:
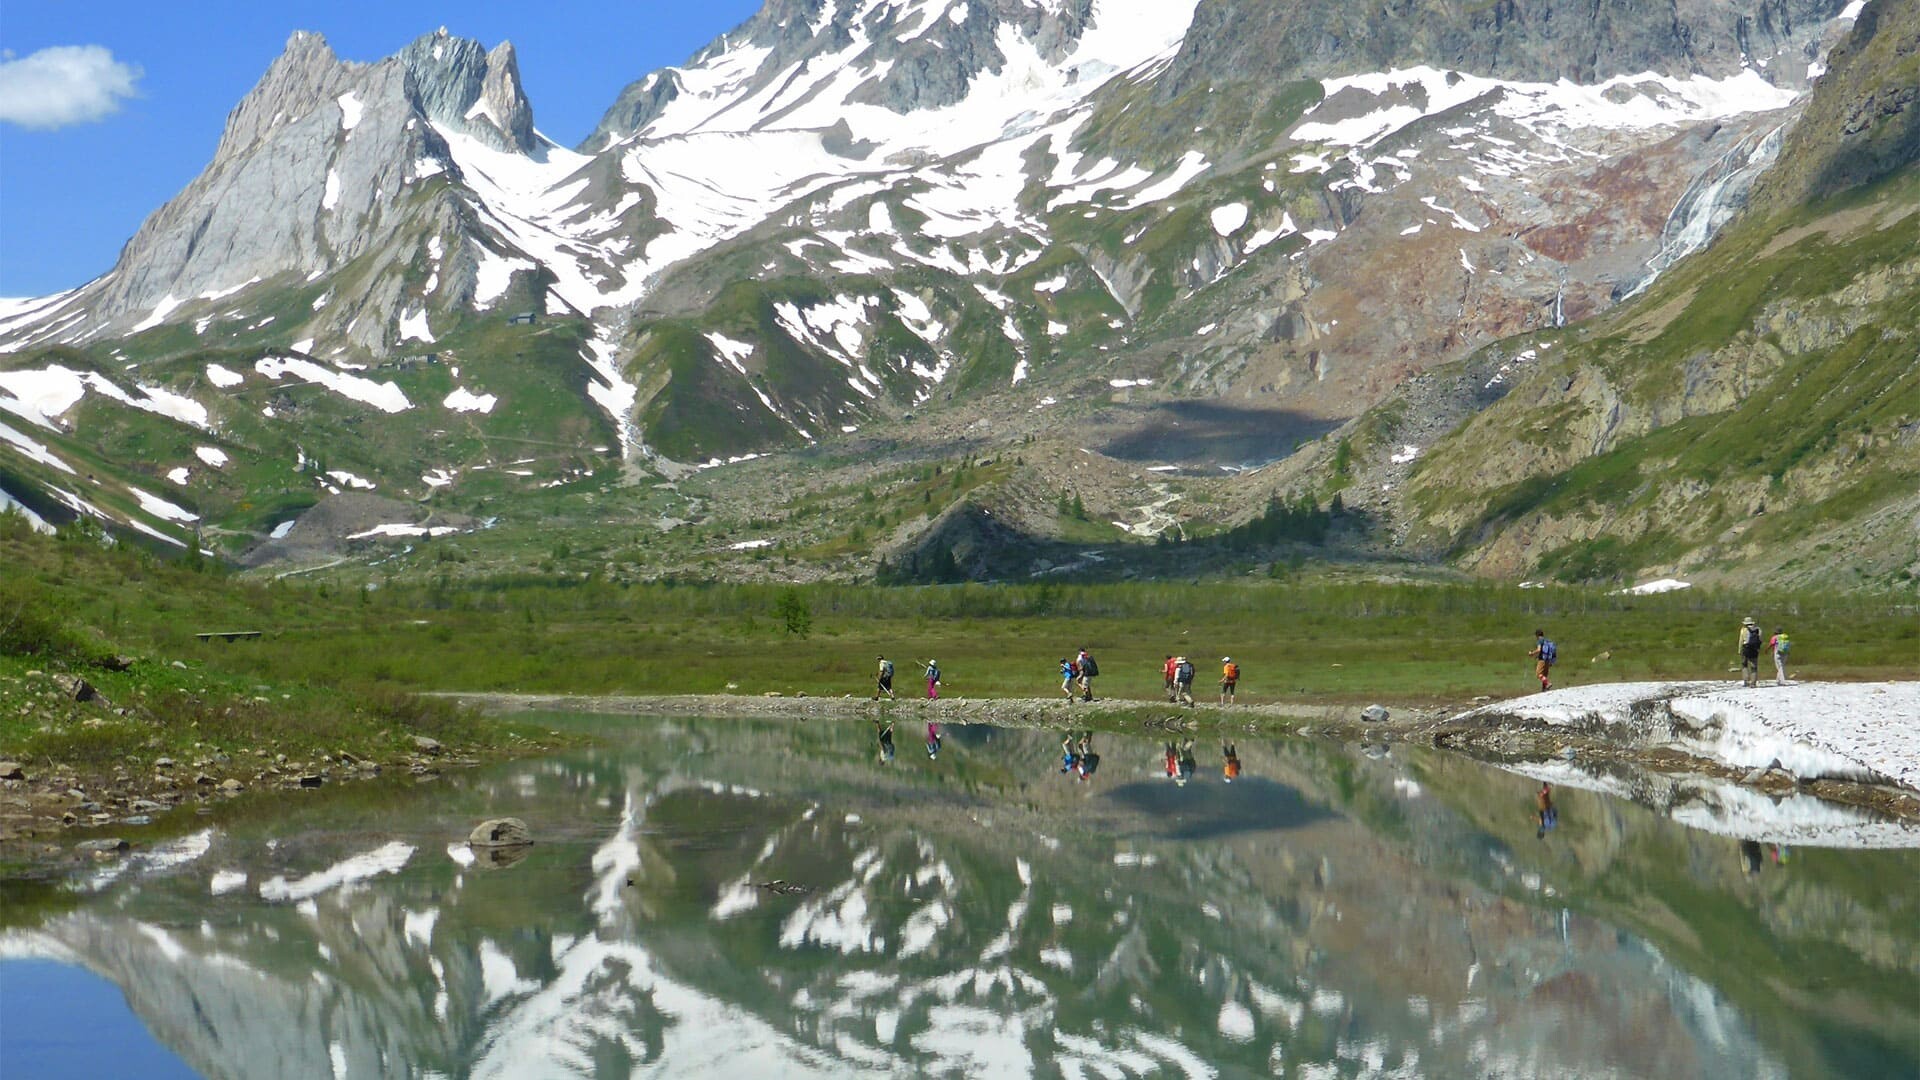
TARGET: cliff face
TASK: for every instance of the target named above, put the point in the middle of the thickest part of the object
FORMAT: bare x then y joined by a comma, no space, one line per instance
1864,123
1756,412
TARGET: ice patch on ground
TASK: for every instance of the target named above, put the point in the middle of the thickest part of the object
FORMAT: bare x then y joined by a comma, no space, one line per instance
1228,219
1624,102
155,506
212,456
1652,588
404,531
413,327
464,400
44,394
1860,731
386,396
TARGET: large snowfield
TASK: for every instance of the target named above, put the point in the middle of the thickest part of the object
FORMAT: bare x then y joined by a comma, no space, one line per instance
1859,731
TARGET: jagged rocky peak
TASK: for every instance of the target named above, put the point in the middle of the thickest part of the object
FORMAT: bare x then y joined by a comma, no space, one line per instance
305,76
463,87
916,54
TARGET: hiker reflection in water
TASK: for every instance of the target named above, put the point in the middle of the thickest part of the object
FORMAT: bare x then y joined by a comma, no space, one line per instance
886,741
1548,814
1173,762
933,739
1069,759
1750,856
1230,767
1086,761
1187,764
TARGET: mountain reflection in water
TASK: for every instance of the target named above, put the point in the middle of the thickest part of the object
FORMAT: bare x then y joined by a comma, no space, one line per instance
769,898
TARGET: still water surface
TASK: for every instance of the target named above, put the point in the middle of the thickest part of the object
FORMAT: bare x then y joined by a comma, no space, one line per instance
1334,911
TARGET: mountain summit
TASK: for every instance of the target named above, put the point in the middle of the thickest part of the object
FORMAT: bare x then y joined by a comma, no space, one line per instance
1056,219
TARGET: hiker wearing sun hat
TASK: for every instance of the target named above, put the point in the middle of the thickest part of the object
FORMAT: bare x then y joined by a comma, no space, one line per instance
1749,652
1229,679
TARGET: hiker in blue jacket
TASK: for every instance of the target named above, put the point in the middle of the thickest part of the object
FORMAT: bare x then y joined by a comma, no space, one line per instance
1544,654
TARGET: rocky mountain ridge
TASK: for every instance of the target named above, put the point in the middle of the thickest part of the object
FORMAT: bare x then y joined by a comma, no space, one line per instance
853,217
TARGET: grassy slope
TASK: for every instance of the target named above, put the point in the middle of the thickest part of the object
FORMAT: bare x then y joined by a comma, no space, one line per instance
1775,370
277,463
68,605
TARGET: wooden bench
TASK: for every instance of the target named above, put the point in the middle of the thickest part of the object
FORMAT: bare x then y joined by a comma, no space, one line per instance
228,635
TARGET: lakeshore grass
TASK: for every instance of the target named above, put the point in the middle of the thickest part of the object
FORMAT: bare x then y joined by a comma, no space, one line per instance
1317,642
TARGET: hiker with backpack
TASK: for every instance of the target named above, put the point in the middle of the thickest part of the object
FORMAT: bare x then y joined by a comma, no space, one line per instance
1167,670
1779,646
885,735
933,679
1068,674
933,740
1545,653
1230,766
1749,652
1089,669
1229,679
883,681
1183,680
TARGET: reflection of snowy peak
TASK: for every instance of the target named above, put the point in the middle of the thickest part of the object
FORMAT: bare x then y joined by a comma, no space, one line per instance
936,934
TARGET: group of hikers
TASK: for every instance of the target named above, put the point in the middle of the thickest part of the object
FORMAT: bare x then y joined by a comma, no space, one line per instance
1077,674
1750,647
1545,654
883,679
1076,678
1177,676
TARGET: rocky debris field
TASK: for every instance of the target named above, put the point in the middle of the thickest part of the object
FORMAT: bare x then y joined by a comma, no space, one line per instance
166,740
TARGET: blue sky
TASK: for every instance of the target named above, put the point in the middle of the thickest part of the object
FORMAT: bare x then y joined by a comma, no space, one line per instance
72,195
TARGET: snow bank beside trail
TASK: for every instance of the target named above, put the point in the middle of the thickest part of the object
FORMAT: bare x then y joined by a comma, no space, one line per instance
1858,731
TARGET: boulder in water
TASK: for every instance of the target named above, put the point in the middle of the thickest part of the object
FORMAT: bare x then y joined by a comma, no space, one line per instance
501,832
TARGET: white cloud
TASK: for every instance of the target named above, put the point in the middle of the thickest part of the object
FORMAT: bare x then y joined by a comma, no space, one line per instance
64,84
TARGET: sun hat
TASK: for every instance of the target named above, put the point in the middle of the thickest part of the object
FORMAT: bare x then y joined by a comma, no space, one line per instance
1226,659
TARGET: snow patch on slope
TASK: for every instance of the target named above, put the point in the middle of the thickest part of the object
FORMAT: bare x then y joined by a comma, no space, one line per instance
386,397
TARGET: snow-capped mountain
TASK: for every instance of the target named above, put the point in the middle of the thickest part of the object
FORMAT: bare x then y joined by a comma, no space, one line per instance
848,210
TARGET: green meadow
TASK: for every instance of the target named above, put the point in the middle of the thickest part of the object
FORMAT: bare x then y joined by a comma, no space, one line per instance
1314,642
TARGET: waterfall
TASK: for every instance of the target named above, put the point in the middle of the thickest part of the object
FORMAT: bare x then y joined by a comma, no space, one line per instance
1710,201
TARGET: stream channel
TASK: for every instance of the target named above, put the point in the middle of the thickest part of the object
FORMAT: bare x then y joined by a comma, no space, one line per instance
772,898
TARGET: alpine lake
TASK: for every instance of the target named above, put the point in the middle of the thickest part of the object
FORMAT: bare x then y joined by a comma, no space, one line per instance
761,898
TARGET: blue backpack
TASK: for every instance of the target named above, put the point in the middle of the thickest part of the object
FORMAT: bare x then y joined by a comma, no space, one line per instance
1548,651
